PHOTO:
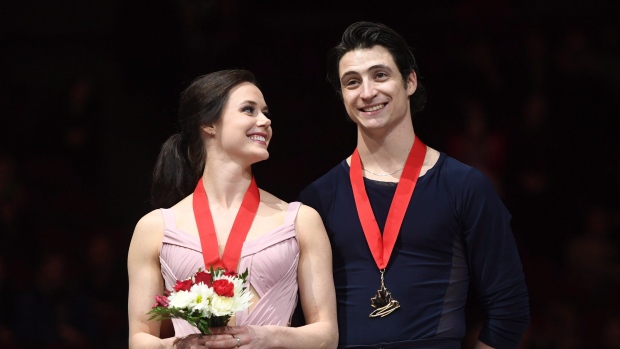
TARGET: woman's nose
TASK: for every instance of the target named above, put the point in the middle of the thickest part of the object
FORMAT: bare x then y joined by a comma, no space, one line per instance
263,120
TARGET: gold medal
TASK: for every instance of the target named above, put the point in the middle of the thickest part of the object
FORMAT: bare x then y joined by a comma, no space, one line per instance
383,303
380,244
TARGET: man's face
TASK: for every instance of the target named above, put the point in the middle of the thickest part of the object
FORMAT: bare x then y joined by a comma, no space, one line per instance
373,90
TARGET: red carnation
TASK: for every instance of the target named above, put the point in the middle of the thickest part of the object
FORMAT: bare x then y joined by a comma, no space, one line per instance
184,285
230,273
161,301
224,288
204,277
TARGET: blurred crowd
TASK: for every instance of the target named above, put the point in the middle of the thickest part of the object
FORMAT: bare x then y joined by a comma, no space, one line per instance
526,93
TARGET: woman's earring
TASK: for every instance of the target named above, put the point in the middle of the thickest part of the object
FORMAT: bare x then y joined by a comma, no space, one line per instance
212,133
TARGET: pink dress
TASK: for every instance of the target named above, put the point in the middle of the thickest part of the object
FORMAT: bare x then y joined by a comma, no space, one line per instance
271,261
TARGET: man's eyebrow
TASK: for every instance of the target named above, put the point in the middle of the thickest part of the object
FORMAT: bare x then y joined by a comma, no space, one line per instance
374,67
350,72
379,66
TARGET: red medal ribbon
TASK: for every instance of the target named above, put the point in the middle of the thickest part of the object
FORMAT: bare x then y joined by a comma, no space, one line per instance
239,231
381,246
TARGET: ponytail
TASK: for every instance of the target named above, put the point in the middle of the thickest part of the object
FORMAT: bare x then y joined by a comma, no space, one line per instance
173,178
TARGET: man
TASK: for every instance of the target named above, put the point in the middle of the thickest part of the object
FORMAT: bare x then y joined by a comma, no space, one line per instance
409,226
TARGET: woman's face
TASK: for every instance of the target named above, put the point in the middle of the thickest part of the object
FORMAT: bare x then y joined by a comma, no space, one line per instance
244,131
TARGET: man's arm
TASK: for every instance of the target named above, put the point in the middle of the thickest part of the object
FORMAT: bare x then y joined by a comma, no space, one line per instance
495,266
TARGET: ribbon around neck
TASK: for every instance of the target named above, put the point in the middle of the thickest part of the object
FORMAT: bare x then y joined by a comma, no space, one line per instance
238,233
382,245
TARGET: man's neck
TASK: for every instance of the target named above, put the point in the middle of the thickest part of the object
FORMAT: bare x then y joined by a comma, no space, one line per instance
385,152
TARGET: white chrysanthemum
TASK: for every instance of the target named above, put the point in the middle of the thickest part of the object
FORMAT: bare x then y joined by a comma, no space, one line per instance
222,306
180,299
242,297
242,301
201,298
238,284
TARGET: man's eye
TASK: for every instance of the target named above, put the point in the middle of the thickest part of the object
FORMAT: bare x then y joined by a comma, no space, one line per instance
382,75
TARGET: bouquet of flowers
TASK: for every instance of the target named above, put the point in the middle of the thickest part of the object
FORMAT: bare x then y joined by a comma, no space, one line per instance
205,300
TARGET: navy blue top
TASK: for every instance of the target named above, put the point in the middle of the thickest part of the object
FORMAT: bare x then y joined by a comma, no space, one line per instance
456,231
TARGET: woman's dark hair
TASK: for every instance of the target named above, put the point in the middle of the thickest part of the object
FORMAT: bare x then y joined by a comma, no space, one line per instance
182,157
366,35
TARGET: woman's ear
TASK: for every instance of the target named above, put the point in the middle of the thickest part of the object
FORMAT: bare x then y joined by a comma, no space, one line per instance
208,129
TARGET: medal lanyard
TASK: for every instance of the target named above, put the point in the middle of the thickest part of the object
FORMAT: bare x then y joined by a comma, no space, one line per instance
238,233
381,245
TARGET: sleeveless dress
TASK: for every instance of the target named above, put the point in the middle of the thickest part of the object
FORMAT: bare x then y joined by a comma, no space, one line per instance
270,259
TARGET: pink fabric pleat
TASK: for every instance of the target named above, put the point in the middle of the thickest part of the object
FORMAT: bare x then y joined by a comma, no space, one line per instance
271,260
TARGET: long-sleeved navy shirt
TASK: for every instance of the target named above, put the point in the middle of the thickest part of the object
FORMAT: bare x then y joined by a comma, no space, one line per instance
456,231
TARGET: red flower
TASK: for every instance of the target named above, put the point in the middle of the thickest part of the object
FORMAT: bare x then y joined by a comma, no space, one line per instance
161,301
184,285
204,277
224,288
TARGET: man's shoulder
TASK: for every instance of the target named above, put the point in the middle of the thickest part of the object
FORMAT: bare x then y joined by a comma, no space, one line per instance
460,177
454,169
320,192
330,178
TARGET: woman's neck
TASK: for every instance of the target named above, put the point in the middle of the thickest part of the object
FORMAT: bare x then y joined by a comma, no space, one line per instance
226,183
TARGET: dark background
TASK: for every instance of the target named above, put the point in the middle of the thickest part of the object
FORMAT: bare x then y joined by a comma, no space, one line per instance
526,91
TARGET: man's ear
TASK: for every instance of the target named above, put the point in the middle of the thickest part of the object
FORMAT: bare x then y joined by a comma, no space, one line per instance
412,83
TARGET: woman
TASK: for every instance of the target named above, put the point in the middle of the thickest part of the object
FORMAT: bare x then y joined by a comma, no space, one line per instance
224,130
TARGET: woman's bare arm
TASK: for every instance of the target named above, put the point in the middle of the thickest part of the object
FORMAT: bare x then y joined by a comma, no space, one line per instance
145,281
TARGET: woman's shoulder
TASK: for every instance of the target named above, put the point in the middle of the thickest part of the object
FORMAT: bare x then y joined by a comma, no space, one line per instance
305,212
147,235
308,215
273,201
152,221
183,207
309,226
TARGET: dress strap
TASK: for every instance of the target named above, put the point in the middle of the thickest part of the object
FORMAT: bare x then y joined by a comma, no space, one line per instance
291,212
169,221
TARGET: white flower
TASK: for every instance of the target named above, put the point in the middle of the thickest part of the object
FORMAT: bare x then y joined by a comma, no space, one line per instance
202,295
222,306
242,297
238,284
243,301
203,299
181,299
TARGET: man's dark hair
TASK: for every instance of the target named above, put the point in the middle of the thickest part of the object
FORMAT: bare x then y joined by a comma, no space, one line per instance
366,35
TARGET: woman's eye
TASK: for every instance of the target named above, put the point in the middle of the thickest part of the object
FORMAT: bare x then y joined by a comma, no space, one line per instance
248,109
351,83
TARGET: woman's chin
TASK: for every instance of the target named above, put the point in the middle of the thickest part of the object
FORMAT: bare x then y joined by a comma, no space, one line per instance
260,157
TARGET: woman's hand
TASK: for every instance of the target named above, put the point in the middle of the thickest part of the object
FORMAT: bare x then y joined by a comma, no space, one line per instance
192,341
231,337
